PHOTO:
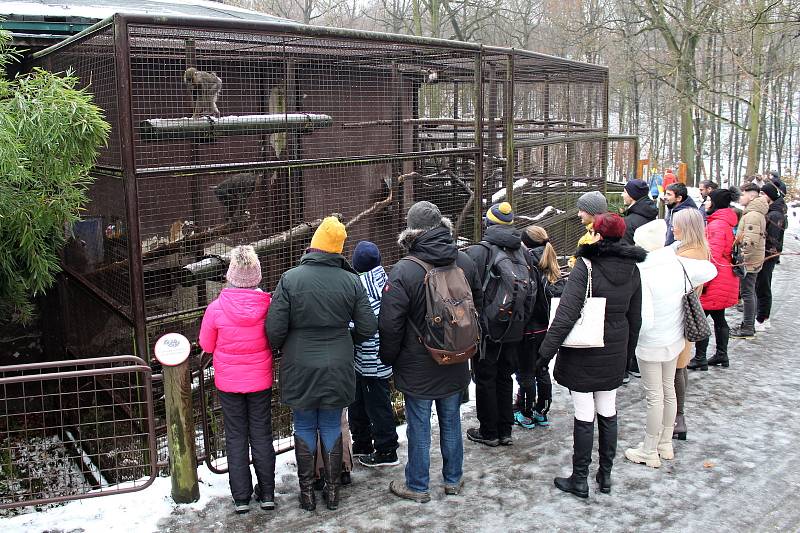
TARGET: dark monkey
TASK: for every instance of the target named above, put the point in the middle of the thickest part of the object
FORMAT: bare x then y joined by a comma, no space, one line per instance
205,87
233,193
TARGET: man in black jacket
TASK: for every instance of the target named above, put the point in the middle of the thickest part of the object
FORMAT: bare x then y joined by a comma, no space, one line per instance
639,208
422,380
776,226
497,361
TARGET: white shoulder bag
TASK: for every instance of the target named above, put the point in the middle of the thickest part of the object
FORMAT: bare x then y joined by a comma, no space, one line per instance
589,329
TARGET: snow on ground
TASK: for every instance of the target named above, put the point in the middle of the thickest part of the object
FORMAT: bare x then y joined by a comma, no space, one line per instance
736,472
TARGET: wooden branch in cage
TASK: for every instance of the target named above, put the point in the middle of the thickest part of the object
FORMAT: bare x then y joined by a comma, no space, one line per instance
465,210
193,241
275,241
377,206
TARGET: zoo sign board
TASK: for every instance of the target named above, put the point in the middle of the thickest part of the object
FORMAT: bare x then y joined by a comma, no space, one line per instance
172,349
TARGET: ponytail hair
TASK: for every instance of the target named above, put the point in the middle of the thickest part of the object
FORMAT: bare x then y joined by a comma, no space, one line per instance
537,236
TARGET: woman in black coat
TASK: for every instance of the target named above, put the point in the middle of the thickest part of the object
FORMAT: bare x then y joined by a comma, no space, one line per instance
593,374
309,322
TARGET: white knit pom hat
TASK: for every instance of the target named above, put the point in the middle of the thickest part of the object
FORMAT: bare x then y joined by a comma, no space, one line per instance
245,268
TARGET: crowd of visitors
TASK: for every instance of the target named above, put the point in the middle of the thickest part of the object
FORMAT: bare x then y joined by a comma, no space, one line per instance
500,308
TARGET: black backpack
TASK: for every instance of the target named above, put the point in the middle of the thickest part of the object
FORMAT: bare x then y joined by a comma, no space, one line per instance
509,293
540,315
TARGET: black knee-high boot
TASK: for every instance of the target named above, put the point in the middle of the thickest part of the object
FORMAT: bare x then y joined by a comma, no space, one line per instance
582,437
305,473
607,446
332,460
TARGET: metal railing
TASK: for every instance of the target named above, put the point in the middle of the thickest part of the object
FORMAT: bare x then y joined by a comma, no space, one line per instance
75,429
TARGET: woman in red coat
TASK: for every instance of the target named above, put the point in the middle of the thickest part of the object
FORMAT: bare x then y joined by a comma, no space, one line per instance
723,291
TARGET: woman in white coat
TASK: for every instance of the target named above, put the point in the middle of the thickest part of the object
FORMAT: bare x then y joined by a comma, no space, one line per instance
661,338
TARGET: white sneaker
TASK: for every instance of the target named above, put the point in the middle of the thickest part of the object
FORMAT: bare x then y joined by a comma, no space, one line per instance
766,323
761,326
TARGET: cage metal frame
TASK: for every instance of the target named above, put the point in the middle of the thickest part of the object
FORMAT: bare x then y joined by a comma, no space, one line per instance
495,69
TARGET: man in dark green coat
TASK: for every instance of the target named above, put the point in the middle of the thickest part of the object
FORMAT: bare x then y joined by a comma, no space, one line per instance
309,322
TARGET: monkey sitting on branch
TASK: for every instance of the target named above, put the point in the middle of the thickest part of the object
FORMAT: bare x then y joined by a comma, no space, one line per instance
205,87
233,192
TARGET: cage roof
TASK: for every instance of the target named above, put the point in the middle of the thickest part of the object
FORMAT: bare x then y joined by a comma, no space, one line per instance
94,10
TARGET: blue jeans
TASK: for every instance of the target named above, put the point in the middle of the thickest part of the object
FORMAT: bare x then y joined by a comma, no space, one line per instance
418,417
327,421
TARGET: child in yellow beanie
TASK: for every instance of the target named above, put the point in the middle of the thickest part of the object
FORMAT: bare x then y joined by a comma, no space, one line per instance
330,236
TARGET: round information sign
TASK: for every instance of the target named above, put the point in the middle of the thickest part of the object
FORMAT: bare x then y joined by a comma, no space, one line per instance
172,349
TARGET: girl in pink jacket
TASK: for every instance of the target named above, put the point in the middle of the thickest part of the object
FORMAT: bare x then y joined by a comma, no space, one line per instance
233,330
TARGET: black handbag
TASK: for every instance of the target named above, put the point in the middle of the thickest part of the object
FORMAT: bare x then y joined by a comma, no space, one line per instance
695,324
737,262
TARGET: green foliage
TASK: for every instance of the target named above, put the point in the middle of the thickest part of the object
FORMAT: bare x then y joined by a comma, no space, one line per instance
49,136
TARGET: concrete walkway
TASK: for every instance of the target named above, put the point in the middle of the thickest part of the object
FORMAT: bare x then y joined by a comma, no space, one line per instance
738,470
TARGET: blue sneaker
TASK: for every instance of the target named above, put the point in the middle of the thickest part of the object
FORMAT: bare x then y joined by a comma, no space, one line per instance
524,421
539,419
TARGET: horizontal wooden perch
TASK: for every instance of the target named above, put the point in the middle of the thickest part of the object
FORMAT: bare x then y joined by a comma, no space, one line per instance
160,128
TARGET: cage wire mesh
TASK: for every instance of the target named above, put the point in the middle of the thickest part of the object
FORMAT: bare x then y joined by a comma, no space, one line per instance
74,429
253,135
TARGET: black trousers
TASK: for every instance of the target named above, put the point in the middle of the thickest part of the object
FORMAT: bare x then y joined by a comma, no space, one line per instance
248,429
371,417
764,291
721,335
494,388
534,383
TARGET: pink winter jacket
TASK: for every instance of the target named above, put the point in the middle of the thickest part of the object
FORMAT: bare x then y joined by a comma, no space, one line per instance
723,291
233,330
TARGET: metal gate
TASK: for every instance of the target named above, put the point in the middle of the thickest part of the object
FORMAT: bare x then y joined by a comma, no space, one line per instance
75,429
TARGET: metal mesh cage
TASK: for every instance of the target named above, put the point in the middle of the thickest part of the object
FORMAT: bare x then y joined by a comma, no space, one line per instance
233,132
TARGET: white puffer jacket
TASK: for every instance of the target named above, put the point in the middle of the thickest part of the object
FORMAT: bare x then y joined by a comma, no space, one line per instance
663,286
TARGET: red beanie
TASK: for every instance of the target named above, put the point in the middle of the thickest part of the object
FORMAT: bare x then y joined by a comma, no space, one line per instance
609,225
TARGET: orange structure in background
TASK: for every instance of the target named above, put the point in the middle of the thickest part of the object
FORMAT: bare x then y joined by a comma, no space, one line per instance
640,166
681,174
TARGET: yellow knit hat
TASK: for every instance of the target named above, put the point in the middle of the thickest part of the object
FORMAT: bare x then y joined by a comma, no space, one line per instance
330,236
500,214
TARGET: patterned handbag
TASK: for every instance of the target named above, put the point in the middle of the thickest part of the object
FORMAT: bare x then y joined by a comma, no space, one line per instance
695,324
737,261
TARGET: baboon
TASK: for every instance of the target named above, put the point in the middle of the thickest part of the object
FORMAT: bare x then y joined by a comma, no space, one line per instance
205,87
233,193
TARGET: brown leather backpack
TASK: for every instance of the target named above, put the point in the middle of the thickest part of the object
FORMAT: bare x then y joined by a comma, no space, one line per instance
452,331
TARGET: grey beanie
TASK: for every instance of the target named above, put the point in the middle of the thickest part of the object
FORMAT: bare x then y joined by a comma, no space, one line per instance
593,203
424,216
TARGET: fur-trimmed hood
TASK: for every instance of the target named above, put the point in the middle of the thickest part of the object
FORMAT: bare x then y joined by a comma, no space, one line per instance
433,246
408,236
615,260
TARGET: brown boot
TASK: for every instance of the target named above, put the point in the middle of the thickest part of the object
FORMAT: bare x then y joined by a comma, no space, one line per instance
333,474
305,474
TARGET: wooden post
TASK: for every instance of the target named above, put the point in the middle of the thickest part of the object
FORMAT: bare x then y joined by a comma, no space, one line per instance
508,134
172,351
477,203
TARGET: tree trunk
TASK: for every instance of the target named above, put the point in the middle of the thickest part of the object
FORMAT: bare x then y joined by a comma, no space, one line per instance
755,98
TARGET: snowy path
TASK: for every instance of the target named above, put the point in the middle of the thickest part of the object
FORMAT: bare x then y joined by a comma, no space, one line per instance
738,471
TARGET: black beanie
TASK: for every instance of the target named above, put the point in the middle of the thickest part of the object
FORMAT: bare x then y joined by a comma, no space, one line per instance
720,199
770,190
